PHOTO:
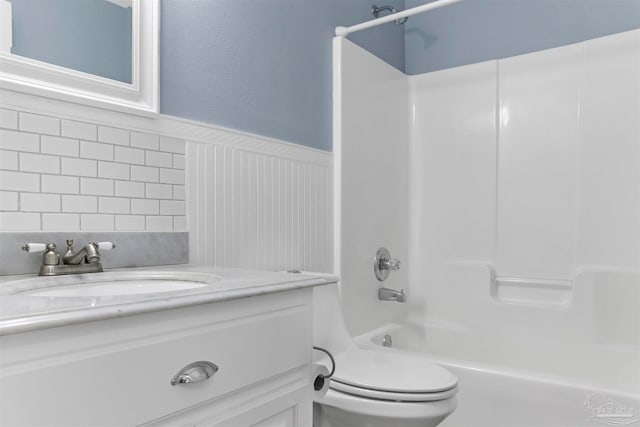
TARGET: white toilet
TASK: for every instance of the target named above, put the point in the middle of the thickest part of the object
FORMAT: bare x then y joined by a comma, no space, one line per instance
376,388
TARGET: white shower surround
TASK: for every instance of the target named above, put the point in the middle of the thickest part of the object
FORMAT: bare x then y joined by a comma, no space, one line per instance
519,180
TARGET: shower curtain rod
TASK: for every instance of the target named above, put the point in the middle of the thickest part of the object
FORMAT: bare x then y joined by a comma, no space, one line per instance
345,31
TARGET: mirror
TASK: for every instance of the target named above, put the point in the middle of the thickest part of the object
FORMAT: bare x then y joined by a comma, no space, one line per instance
100,52
92,36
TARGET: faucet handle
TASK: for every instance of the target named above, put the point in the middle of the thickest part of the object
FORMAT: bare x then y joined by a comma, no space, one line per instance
390,264
69,245
383,264
106,246
49,254
34,247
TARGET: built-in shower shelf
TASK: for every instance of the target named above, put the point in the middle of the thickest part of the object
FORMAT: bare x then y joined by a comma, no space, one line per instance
539,292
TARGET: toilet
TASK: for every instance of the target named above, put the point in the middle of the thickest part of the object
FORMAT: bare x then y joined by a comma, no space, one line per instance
376,388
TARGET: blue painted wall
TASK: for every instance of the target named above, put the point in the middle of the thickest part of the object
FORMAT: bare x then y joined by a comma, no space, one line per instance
480,30
91,36
262,66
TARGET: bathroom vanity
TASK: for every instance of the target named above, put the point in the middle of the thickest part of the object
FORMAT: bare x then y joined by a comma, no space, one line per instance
233,350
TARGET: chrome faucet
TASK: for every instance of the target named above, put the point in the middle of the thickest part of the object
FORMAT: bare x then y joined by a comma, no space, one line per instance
86,260
386,294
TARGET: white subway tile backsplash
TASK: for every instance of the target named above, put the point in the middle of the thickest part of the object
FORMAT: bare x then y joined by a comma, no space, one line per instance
73,129
59,146
60,184
129,189
39,124
39,202
8,160
178,192
8,201
145,140
144,173
39,163
60,222
172,207
129,155
157,158
159,191
97,222
130,223
19,141
87,204
172,176
118,205
172,145
113,135
19,221
96,150
19,181
179,223
159,223
145,206
63,174
178,161
96,186
8,119
113,170
80,167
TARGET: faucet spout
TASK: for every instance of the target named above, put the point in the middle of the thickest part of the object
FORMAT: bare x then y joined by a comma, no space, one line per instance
88,254
386,294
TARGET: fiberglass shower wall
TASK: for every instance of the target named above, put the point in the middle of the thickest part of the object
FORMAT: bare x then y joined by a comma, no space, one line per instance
371,142
523,206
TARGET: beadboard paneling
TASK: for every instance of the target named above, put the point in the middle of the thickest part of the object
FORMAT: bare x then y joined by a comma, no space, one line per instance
254,210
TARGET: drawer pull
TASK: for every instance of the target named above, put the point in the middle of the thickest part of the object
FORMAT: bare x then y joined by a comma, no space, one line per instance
194,373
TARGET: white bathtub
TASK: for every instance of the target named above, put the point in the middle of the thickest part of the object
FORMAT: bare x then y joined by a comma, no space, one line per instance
499,396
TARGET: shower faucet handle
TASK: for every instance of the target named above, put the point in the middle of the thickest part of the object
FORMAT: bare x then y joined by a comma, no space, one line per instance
383,264
390,264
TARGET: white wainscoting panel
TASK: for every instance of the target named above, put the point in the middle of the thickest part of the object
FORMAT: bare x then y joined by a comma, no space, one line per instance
263,211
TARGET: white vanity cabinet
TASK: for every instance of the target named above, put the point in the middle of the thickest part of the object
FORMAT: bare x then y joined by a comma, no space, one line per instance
118,372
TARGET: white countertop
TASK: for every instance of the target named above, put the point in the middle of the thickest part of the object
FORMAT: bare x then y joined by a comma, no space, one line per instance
22,312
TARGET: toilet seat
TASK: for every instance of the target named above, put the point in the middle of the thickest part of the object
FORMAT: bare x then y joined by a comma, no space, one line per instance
392,376
392,396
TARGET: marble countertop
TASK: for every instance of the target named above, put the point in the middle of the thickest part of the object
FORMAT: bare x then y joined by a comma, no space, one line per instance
22,310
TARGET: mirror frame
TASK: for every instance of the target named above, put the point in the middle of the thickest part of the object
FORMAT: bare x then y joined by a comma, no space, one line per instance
23,74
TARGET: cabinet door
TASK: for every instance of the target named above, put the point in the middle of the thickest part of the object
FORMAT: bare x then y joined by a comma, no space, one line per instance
282,402
287,411
286,418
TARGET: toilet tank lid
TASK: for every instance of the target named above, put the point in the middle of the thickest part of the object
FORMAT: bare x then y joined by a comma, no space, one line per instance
392,371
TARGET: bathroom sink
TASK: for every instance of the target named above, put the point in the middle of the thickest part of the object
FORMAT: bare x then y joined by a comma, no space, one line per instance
118,288
111,284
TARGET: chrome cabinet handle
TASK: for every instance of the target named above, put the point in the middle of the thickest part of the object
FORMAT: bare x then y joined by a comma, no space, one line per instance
194,373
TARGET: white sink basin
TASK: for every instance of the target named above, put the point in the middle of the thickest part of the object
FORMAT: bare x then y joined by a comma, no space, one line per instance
118,288
111,284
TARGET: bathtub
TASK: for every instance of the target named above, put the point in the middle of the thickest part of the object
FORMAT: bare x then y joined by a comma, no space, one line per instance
503,396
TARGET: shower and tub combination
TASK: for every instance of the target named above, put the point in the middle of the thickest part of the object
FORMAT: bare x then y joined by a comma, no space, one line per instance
510,191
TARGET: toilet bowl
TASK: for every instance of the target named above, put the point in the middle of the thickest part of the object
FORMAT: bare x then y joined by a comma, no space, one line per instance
376,388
